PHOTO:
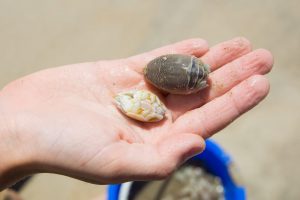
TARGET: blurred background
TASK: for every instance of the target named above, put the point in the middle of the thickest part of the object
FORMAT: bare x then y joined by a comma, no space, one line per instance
265,142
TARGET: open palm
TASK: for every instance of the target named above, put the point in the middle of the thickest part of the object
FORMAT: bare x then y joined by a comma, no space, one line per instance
66,121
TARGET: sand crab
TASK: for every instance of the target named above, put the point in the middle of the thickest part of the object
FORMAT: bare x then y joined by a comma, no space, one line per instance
177,73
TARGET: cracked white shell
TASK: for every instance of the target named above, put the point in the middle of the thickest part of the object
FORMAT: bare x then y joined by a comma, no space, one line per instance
141,105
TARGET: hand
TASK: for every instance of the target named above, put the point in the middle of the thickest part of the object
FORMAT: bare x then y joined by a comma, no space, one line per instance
63,120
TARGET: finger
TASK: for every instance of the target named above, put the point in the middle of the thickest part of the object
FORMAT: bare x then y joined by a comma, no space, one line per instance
196,47
220,112
222,80
180,147
225,52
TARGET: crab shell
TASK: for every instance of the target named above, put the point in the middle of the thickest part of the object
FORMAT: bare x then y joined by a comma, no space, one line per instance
141,105
177,73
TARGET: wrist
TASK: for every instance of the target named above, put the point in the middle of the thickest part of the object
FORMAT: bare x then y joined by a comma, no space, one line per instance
15,160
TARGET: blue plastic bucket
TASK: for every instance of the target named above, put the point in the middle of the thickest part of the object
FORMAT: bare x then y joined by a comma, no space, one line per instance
216,161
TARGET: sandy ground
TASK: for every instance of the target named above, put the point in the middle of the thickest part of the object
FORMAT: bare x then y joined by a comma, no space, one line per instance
265,142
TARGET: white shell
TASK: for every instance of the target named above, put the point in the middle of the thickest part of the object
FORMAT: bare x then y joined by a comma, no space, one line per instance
141,105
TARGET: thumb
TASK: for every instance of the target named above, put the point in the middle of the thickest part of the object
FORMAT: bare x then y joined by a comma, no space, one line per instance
180,147
149,162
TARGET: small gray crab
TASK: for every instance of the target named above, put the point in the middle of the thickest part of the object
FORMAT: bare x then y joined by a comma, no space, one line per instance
177,73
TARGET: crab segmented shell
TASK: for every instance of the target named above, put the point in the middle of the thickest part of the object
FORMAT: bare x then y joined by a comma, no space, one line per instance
141,105
177,73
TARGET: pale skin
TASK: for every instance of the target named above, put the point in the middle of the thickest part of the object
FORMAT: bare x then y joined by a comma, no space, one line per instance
63,120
